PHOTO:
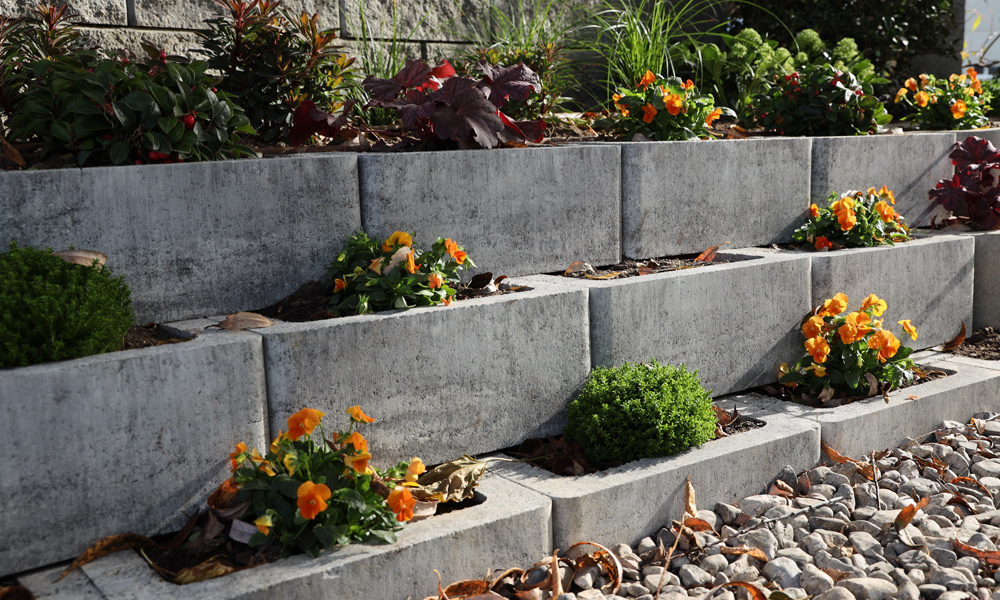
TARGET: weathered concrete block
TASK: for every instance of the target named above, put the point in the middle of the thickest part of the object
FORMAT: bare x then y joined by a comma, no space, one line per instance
734,322
910,165
672,205
191,14
477,376
110,39
928,280
517,211
446,21
513,527
122,442
193,239
874,424
95,12
626,503
986,291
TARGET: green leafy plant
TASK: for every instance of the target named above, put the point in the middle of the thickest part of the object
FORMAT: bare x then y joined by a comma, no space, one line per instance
272,61
853,220
116,111
368,276
309,492
51,309
890,33
958,103
819,100
639,411
539,34
663,109
850,354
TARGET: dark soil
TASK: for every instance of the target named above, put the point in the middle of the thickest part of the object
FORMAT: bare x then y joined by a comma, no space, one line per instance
635,268
983,343
790,395
145,336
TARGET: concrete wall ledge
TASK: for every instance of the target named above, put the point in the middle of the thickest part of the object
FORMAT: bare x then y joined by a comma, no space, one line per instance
687,316
626,503
129,441
513,527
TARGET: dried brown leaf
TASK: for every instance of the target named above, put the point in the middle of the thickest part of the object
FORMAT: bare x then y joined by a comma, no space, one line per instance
697,524
956,341
244,320
991,557
689,498
210,569
608,276
724,418
972,482
556,585
10,153
755,592
15,592
907,513
863,467
709,254
82,257
112,543
579,267
604,558
752,552
468,587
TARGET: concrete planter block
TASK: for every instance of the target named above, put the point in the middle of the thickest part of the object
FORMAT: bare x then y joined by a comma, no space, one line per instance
93,12
448,21
193,239
123,442
671,205
512,527
910,165
927,280
874,424
477,376
985,308
626,503
734,322
517,211
191,14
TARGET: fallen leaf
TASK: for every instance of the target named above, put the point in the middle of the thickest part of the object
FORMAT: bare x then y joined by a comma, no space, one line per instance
606,560
780,488
913,397
82,257
8,152
709,254
991,557
724,418
468,587
244,320
754,591
954,343
645,270
689,498
15,592
608,276
972,482
752,552
698,524
399,256
907,513
452,481
210,569
556,585
863,467
512,572
580,267
112,543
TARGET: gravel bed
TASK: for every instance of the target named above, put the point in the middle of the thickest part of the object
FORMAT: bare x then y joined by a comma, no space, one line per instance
831,533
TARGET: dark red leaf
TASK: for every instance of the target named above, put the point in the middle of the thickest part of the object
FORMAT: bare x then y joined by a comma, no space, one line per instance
973,151
950,193
505,84
461,112
310,120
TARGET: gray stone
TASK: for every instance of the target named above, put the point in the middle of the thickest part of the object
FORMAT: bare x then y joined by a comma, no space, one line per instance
987,468
653,581
694,576
761,539
585,577
95,12
909,165
915,559
728,512
931,591
664,201
869,588
836,479
801,558
315,364
907,591
679,310
188,252
634,590
714,564
866,544
508,215
918,488
165,418
783,571
756,506
951,578
837,593
446,21
814,580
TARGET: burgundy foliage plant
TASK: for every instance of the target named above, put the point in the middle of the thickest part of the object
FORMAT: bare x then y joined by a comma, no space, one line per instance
972,194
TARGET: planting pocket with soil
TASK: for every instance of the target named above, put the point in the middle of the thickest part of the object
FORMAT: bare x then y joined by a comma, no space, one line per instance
635,268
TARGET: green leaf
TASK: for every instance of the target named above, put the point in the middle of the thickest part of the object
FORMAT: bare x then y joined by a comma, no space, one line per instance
386,536
286,485
60,131
119,152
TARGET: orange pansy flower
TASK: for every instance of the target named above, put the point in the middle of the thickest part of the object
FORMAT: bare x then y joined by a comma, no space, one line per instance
648,113
674,104
303,422
401,501
847,219
813,327
908,328
358,416
887,193
358,462
822,242
687,85
886,344
834,306
647,79
312,499
447,301
910,84
434,281
958,109
339,285
400,238
713,116
877,305
855,327
813,211
818,348
264,524
241,448
358,441
414,470
276,441
884,210
900,94
261,463
922,98
411,265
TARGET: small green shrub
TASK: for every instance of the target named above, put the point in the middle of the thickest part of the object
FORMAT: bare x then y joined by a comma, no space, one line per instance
51,309
638,411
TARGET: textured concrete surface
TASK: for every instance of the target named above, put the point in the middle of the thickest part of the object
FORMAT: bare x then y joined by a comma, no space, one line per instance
123,442
182,43
682,197
193,239
734,323
107,12
626,503
477,376
910,165
191,14
928,280
517,211
986,290
512,527
874,424
437,20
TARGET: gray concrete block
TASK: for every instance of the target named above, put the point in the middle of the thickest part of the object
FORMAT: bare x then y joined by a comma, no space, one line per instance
516,211
626,503
986,290
874,424
682,197
95,12
193,239
46,585
111,39
477,376
444,20
733,322
512,527
928,280
129,441
191,14
910,165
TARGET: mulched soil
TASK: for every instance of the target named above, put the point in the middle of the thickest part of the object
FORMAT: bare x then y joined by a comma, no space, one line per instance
145,336
790,395
983,343
635,268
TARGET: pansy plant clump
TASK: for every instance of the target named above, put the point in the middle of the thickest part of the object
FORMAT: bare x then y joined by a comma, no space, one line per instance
368,276
955,103
309,492
665,109
854,220
850,354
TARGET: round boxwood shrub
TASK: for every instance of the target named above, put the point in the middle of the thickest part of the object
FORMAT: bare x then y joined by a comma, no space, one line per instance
639,411
51,309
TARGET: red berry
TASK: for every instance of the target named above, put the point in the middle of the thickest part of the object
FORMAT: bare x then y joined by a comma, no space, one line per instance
188,121
213,90
163,55
138,162
107,136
